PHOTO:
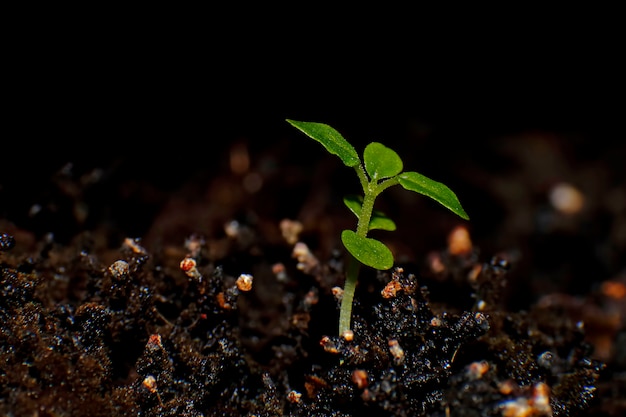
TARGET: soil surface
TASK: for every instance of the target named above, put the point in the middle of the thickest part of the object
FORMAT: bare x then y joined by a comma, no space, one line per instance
191,282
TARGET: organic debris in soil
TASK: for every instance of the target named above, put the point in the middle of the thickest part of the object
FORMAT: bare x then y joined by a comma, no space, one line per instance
175,332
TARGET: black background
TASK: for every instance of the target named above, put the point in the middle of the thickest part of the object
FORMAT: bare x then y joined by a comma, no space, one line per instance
162,101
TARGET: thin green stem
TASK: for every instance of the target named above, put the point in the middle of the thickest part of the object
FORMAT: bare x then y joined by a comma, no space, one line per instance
367,207
363,178
383,185
345,312
370,191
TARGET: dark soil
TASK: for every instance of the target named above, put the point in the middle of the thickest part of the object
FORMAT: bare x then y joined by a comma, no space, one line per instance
100,318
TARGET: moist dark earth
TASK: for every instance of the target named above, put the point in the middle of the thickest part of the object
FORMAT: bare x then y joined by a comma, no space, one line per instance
125,280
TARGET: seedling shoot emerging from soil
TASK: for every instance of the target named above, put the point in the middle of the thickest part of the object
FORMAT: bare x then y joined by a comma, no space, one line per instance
380,169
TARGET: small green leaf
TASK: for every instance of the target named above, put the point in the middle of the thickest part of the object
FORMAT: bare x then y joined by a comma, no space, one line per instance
381,222
330,139
381,161
370,252
354,203
378,219
439,192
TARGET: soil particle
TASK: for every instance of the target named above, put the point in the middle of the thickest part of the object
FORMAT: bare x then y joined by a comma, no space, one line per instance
95,321
144,337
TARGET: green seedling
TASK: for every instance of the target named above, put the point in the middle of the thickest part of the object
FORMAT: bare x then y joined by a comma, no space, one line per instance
380,169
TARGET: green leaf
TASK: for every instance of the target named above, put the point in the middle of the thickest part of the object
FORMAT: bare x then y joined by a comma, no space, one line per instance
439,192
330,139
381,161
354,202
381,222
378,219
370,252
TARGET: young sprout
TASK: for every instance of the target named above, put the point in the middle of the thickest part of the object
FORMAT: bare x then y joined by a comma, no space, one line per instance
380,169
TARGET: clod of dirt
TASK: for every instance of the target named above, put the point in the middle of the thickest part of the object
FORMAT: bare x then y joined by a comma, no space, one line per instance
169,331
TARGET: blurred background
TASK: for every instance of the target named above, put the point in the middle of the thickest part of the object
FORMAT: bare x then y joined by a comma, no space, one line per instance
159,128
159,136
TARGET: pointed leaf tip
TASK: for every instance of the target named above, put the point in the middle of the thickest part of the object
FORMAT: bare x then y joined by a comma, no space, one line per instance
330,139
439,192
